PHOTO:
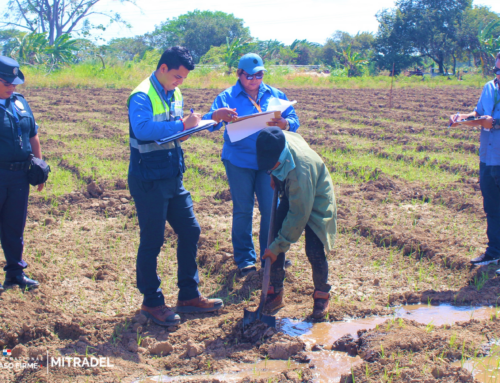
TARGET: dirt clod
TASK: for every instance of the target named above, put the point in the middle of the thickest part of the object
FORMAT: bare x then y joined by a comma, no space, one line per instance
161,348
285,349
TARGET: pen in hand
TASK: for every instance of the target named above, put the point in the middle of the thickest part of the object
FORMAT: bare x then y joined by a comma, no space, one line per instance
451,123
192,110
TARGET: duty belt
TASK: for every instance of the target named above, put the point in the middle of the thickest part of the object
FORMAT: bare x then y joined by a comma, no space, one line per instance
15,166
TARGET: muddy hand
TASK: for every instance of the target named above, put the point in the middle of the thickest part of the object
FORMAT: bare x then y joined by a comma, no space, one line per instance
269,254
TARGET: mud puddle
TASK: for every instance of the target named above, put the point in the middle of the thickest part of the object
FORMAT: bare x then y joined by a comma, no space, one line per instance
329,365
485,369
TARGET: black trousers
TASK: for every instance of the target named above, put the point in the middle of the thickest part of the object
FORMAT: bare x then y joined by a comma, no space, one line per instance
315,252
158,202
14,191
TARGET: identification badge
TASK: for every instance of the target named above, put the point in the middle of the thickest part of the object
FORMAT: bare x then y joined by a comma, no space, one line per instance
177,109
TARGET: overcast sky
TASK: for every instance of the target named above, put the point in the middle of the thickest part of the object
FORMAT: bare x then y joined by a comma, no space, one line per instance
283,20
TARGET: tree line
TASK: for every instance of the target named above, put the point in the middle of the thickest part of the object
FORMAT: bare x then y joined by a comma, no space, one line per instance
441,33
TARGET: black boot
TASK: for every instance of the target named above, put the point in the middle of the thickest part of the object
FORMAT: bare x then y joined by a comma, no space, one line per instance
22,281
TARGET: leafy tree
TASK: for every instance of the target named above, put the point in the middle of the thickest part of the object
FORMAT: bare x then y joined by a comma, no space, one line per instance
8,39
234,50
127,48
304,50
354,62
34,48
269,49
332,52
56,17
392,45
198,31
215,56
478,31
432,26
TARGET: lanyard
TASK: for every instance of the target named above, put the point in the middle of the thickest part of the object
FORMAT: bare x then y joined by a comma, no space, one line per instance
15,117
255,104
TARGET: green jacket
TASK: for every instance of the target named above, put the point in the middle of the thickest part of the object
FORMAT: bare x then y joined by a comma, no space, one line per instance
309,189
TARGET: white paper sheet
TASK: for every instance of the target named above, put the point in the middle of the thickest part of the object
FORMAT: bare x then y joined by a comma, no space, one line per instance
279,105
242,129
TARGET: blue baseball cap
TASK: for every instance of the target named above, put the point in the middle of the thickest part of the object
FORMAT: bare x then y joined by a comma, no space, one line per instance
251,63
9,71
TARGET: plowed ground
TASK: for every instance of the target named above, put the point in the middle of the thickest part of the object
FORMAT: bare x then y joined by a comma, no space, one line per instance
410,219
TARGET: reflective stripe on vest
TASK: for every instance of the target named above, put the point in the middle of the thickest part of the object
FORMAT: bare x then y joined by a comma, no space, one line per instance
146,148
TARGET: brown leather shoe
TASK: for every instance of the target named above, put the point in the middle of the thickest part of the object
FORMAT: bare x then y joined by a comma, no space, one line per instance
321,304
161,315
274,300
199,305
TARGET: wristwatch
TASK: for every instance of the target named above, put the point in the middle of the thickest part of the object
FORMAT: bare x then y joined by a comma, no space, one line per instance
495,124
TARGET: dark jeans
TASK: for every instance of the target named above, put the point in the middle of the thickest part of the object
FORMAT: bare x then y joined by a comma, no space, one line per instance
157,202
244,184
489,180
14,192
315,252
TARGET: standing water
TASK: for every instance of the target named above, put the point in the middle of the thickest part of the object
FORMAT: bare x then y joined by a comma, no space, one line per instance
330,365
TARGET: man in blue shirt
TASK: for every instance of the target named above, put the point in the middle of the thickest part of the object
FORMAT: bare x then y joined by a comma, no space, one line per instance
155,182
248,96
488,107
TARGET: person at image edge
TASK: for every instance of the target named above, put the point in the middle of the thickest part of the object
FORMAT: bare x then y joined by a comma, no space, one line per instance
488,107
18,141
155,182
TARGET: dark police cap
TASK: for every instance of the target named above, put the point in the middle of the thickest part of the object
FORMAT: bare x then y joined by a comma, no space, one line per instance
9,71
270,143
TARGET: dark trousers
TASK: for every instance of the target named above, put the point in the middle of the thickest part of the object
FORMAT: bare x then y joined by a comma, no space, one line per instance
14,192
156,203
489,180
315,252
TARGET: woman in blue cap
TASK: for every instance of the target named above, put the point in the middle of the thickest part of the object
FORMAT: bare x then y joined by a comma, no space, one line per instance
18,140
249,95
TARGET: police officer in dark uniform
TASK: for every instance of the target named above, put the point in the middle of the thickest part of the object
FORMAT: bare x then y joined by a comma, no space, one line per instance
18,141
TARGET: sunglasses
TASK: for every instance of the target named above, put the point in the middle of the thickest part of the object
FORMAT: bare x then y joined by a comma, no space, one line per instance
258,76
5,83
496,71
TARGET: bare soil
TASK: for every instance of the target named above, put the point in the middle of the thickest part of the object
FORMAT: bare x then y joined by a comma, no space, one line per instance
402,239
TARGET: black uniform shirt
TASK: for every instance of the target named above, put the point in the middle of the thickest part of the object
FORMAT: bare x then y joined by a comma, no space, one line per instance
15,136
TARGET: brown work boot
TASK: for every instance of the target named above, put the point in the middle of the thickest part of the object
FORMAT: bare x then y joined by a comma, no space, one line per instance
199,305
161,315
321,304
274,300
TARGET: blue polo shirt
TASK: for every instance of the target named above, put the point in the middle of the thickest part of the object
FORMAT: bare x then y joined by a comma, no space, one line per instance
243,153
489,150
140,113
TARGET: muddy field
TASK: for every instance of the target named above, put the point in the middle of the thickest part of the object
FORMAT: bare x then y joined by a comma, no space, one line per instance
410,219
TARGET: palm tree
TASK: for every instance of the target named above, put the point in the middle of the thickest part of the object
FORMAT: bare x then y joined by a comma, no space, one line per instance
489,45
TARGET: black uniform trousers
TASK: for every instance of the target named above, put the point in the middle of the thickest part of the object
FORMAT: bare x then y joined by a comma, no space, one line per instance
14,192
315,251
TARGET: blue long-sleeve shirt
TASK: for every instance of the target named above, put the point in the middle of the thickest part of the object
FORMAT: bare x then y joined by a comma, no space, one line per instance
489,150
140,112
243,153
